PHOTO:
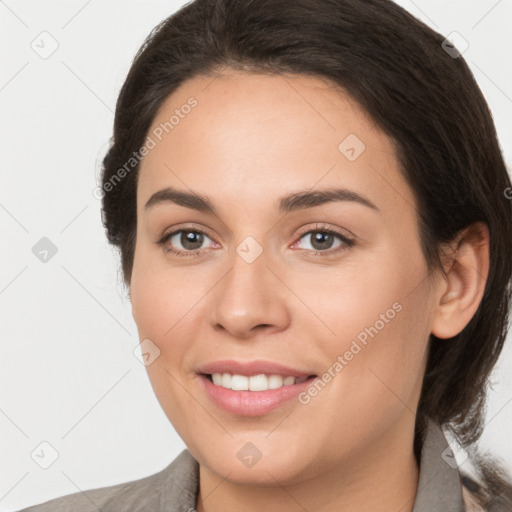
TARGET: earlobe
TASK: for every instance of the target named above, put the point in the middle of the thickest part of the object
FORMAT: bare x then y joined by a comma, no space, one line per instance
462,289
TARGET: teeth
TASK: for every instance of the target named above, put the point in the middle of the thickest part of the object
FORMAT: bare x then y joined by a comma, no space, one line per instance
239,382
259,382
275,381
225,380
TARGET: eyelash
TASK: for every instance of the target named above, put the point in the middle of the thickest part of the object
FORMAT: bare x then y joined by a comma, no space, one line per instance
347,242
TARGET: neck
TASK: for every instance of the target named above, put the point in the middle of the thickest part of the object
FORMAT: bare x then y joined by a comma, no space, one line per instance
382,479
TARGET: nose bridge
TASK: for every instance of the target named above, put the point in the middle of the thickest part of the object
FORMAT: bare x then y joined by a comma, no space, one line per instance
249,296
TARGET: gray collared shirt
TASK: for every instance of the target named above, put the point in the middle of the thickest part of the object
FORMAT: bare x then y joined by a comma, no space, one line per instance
175,488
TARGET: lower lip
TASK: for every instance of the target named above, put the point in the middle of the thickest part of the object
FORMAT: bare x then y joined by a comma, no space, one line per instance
252,403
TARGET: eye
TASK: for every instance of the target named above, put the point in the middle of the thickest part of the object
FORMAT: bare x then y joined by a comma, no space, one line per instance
322,240
184,242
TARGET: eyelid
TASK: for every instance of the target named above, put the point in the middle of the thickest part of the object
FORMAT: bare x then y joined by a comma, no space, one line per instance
319,226
347,240
187,227
167,235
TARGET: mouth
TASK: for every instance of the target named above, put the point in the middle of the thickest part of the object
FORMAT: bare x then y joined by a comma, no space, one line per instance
252,387
256,383
254,395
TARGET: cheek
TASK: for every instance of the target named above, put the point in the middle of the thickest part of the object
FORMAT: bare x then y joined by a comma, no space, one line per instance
378,315
163,307
169,306
160,296
366,294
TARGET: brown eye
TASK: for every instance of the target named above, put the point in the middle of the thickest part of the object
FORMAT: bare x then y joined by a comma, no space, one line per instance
184,241
321,240
324,240
191,240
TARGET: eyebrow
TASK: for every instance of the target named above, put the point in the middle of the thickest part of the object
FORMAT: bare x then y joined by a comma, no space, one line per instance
288,203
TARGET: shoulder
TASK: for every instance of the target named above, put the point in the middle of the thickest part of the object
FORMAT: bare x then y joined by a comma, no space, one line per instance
483,484
489,490
175,485
472,495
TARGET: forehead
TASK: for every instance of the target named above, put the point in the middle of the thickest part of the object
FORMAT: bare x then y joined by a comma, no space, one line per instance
250,137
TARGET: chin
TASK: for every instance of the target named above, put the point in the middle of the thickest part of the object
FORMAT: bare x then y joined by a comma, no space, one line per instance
274,466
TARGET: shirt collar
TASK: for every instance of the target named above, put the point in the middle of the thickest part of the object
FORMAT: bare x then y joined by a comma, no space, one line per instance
439,486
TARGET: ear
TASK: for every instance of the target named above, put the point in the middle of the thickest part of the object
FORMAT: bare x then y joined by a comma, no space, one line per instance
462,288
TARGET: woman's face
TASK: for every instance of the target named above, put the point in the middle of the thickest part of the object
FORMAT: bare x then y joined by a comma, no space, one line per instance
333,286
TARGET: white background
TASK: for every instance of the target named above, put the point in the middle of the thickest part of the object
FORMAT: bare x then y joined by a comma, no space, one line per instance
68,373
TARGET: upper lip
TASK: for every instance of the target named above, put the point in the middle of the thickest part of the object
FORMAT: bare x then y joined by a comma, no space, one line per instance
249,368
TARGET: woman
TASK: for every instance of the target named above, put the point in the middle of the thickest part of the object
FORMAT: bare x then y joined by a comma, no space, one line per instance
311,209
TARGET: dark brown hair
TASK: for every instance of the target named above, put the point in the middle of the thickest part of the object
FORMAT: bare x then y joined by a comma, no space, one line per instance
423,97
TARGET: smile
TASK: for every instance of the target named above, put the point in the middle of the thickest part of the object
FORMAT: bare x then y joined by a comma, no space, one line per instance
261,399
259,382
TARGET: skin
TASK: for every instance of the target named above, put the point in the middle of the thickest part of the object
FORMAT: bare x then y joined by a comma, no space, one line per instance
251,140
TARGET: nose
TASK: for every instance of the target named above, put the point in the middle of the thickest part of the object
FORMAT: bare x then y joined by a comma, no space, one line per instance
249,299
